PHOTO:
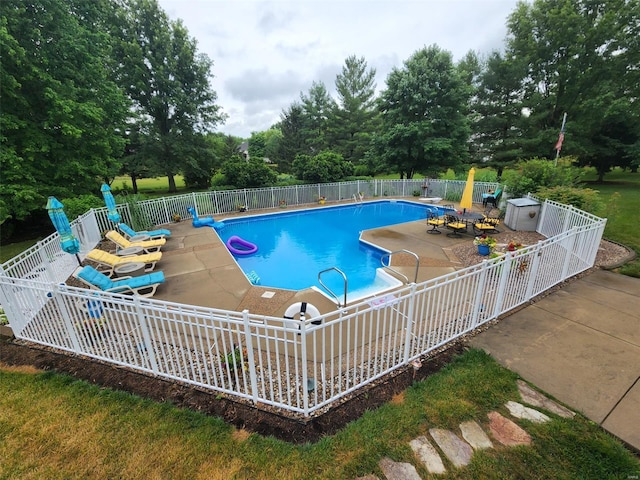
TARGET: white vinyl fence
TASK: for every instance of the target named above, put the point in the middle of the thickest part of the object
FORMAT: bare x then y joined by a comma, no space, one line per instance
300,367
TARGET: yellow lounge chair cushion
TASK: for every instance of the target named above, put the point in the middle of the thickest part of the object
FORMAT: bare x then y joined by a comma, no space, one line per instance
100,256
122,242
485,226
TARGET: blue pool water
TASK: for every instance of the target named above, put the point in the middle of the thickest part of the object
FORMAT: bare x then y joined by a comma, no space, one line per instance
294,246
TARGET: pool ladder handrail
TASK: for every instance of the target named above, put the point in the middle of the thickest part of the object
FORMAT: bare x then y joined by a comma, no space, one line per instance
389,267
346,283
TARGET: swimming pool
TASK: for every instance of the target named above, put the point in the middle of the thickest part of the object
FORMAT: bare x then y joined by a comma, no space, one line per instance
294,246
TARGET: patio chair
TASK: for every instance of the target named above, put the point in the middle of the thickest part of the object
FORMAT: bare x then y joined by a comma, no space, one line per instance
149,246
456,226
108,262
484,226
129,232
435,221
145,285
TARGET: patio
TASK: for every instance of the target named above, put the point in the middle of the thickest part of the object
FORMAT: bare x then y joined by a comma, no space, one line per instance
199,269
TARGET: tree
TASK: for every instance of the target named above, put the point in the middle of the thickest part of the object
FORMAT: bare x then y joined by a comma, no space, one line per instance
324,167
317,107
169,83
498,108
575,49
424,107
354,117
265,144
201,161
248,174
292,143
62,114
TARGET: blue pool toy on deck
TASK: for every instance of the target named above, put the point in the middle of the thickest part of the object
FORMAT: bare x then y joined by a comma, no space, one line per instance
204,222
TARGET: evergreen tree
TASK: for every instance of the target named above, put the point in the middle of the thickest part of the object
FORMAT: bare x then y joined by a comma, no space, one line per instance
354,118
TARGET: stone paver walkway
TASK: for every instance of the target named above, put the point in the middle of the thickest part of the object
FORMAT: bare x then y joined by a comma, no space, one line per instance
457,452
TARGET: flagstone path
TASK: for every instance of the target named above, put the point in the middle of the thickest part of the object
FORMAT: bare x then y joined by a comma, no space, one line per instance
458,449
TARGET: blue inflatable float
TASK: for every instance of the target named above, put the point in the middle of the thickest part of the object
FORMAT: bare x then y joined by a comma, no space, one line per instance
205,221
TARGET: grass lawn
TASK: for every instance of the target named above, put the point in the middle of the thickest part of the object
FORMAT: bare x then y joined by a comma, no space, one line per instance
10,250
622,216
52,426
150,186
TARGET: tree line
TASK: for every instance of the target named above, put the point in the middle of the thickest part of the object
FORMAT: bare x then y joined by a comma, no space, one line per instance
92,90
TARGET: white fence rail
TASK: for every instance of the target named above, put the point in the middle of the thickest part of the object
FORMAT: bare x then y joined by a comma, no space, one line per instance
300,367
160,211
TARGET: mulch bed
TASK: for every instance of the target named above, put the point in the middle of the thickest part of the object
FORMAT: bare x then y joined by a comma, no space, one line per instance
261,420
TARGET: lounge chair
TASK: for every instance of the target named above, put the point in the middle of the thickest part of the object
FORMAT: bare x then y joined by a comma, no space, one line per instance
435,221
144,285
149,246
456,226
108,261
129,232
492,199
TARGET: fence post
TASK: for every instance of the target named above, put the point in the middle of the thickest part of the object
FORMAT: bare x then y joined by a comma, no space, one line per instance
535,264
45,262
303,361
248,341
568,243
195,204
146,336
66,318
409,323
505,270
480,290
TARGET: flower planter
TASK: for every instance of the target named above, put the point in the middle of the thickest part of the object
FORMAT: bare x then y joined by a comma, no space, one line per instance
484,250
321,202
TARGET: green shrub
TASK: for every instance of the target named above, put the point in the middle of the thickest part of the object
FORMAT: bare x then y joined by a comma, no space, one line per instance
585,199
74,207
532,175
251,174
448,175
486,175
139,219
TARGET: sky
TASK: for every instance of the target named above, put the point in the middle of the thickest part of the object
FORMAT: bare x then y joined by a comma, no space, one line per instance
266,53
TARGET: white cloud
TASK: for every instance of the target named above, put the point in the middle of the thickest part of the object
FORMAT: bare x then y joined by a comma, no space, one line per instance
266,53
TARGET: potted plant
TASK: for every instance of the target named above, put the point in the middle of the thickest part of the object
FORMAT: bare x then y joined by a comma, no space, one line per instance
283,203
176,218
322,199
485,244
242,208
513,246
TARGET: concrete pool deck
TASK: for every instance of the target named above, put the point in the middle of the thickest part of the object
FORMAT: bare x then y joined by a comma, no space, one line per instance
200,270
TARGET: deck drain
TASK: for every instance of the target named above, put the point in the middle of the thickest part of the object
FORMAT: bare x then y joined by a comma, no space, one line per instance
268,294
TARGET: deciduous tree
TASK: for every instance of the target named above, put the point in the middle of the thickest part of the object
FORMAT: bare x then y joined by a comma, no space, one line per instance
62,114
169,83
424,115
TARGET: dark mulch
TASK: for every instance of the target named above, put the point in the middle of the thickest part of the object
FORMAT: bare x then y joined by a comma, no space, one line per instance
261,420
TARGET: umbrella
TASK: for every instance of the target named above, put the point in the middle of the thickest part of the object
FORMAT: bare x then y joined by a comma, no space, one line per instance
113,215
68,241
467,194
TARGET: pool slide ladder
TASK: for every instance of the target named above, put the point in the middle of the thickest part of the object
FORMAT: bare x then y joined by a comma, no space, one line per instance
386,266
